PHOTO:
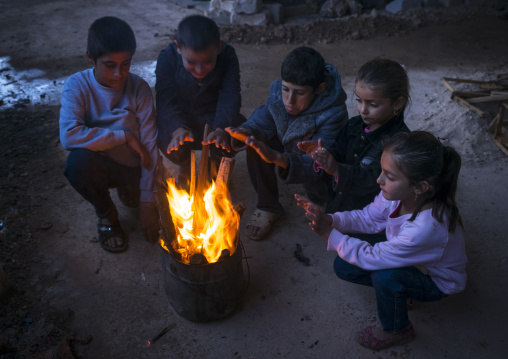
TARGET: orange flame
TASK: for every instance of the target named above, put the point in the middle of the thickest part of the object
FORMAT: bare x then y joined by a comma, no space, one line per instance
205,224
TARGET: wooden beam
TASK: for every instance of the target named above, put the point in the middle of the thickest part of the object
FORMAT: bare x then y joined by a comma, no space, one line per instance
447,84
466,104
203,164
487,99
225,170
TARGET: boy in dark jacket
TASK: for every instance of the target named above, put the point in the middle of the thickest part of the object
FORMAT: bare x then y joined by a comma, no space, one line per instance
306,103
197,83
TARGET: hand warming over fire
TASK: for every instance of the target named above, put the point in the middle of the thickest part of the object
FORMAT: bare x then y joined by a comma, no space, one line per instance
219,137
266,153
320,155
149,220
240,134
179,137
320,222
137,146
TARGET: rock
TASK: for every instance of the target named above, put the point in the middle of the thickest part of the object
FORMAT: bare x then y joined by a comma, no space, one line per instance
403,5
5,284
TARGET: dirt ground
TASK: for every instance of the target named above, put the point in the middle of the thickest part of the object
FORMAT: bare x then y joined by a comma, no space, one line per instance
71,299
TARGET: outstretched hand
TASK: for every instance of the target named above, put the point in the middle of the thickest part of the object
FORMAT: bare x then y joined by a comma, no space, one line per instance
320,155
133,142
240,134
266,153
219,137
149,220
308,146
320,222
178,138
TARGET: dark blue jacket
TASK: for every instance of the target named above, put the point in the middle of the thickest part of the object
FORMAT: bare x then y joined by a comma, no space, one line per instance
182,102
323,119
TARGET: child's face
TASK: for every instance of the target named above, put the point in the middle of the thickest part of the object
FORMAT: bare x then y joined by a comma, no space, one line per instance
375,108
111,69
199,64
394,184
298,98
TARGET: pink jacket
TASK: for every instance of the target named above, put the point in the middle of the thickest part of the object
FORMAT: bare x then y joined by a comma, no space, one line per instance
423,242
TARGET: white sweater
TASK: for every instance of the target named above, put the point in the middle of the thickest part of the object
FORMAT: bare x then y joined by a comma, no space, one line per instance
423,242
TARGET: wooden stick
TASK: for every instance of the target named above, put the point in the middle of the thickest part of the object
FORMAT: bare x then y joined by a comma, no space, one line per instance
487,99
192,174
499,125
203,164
465,94
501,147
481,84
466,104
447,84
225,170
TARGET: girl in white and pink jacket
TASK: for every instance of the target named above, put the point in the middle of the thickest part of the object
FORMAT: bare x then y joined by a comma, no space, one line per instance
424,256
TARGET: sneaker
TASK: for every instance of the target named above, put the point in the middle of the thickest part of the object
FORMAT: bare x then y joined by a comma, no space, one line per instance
367,339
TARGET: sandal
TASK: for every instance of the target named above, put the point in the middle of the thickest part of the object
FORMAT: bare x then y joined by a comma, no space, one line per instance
107,231
128,197
260,224
367,339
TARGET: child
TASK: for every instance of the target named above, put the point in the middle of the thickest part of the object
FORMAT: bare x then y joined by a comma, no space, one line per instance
424,255
382,94
306,103
107,122
197,83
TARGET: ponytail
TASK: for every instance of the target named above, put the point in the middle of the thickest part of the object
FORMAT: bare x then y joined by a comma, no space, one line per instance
446,188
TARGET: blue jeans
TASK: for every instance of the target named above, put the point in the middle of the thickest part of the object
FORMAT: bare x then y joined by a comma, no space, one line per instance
92,174
393,287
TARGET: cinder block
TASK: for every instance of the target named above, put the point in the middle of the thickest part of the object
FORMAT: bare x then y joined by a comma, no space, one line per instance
264,17
247,6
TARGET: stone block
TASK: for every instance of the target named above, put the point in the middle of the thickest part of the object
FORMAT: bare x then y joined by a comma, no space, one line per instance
247,6
221,17
277,11
403,5
262,18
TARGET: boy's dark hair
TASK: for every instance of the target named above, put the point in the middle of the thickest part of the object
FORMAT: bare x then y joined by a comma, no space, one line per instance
197,32
387,75
304,66
422,157
110,34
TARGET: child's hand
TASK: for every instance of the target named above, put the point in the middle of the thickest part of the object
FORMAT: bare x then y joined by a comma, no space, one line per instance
325,159
149,220
179,137
308,146
240,134
320,222
137,146
219,137
266,153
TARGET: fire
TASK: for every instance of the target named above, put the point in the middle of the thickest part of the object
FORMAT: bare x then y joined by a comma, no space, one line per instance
205,223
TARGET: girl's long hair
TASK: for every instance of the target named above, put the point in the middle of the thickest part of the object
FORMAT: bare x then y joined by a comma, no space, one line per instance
422,157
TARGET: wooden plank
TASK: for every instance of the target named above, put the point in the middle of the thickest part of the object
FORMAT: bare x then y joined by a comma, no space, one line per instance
500,119
465,94
482,84
192,174
500,145
447,84
493,123
203,164
225,170
487,99
466,104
